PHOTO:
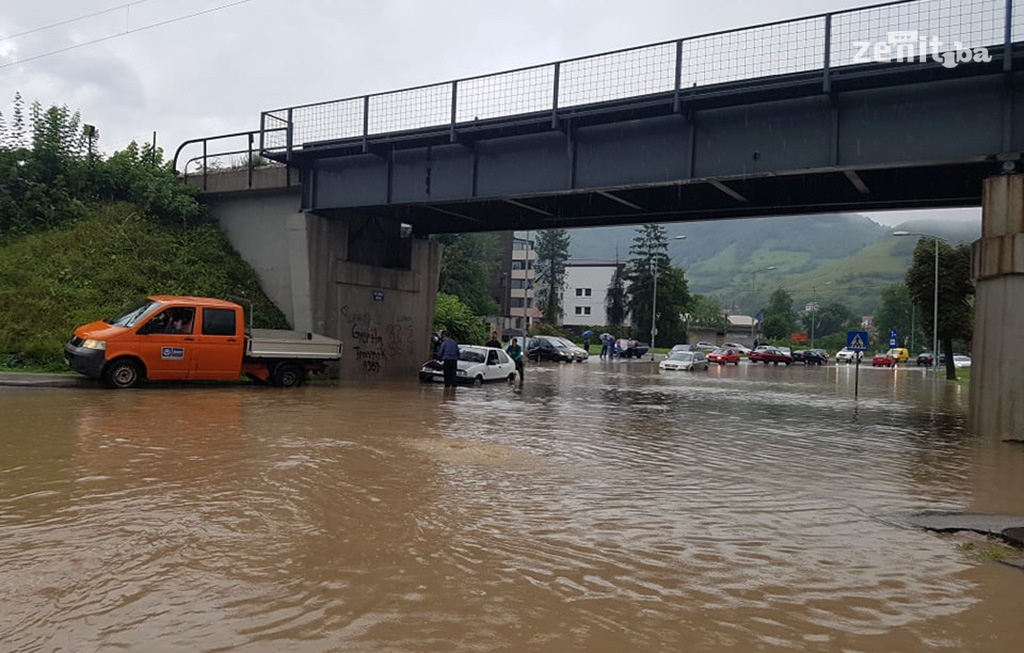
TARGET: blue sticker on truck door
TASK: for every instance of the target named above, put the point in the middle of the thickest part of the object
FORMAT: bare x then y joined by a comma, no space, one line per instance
172,353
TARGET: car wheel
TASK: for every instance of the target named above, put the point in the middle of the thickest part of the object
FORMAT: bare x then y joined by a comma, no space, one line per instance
288,375
512,378
478,381
123,374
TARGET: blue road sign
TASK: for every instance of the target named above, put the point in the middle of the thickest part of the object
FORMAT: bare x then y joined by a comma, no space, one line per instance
857,340
892,337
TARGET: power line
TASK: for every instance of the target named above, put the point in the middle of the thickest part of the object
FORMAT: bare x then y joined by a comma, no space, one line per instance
128,5
124,33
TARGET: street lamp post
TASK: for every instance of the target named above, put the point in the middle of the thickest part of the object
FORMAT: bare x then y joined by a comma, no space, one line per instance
753,275
654,298
814,309
935,297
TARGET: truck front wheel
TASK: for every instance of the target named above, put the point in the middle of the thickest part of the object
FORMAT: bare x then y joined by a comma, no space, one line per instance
288,375
123,373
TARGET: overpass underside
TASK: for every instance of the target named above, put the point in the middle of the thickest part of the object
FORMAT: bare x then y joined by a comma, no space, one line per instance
882,136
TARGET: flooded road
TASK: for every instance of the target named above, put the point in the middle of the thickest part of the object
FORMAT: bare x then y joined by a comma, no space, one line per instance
606,507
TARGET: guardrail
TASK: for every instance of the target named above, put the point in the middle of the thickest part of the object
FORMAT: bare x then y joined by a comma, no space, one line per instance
823,42
214,161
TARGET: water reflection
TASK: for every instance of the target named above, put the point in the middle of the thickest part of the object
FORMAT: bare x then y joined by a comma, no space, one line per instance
606,507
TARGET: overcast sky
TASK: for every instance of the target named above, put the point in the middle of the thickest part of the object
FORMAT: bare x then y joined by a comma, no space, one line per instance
216,72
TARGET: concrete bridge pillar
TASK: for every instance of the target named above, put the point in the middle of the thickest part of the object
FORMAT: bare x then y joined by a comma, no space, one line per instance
997,266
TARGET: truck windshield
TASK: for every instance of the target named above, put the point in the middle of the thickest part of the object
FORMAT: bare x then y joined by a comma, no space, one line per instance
129,319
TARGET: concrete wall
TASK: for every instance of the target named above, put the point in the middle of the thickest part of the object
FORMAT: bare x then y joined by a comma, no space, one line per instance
258,228
384,315
997,262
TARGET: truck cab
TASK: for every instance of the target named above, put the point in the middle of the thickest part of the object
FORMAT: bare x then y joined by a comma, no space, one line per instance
164,339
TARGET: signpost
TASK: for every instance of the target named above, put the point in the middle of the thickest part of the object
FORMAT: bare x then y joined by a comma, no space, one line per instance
893,338
857,341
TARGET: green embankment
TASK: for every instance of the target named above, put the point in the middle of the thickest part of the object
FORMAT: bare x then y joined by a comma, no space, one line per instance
99,265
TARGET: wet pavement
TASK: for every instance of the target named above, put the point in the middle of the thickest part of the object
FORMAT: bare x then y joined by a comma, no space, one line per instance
606,507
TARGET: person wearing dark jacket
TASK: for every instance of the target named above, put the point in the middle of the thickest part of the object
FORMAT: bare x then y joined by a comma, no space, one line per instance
494,342
448,354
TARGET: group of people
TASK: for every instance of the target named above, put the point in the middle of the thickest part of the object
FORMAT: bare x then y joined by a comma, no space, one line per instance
448,354
612,348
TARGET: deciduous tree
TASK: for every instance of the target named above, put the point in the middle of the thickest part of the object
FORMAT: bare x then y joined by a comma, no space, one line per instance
956,292
779,317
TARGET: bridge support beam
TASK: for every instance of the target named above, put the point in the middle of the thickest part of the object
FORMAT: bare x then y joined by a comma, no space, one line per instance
997,266
353,277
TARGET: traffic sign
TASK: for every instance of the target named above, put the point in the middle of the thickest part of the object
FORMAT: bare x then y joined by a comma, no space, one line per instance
857,340
892,337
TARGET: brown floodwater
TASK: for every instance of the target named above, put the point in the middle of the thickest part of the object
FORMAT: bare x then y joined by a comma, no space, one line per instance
606,507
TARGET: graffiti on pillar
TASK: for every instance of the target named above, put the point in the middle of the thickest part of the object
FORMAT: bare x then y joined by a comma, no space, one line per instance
400,337
368,345
373,345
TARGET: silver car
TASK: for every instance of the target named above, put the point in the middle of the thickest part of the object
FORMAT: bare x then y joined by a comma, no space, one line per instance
685,360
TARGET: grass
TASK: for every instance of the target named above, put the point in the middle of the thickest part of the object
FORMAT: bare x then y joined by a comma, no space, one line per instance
53,281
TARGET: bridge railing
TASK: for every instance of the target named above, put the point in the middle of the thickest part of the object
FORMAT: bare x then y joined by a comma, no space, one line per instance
822,43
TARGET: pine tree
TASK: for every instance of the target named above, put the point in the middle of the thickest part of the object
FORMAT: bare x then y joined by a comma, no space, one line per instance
552,254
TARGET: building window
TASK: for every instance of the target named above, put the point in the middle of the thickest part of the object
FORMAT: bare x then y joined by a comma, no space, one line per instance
517,265
579,292
518,284
582,310
586,292
579,310
586,310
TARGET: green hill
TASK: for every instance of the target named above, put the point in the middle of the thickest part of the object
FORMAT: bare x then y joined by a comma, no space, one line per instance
55,280
844,258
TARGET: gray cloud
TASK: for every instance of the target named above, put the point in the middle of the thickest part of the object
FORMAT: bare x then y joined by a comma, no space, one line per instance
216,73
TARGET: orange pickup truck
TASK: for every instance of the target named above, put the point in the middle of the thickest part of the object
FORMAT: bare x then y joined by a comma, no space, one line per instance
171,338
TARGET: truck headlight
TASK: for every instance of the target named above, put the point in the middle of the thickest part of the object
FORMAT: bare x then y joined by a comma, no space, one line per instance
94,344
461,372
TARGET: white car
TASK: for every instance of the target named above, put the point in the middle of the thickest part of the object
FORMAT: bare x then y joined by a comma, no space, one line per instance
477,365
959,360
738,347
685,360
847,355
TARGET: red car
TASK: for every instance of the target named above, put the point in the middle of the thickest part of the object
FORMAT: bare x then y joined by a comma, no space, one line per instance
724,356
765,354
883,360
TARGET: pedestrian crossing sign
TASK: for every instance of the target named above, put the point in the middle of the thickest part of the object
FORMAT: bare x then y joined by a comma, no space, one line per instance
857,340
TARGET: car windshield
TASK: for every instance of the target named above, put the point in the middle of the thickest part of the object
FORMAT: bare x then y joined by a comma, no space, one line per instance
566,342
130,318
681,356
721,351
472,355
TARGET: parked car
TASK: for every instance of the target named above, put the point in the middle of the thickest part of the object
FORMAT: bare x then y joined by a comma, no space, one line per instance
959,360
765,354
743,350
579,353
810,356
847,355
685,360
883,360
724,356
704,346
924,359
637,350
477,365
680,348
547,348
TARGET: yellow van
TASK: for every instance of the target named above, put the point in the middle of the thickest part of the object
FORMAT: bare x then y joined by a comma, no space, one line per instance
899,353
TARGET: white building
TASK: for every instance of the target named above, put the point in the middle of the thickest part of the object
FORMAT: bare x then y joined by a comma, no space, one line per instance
584,298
